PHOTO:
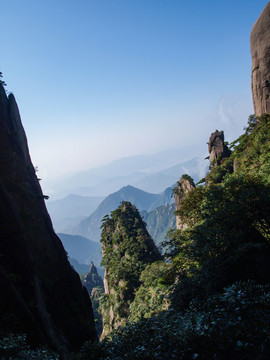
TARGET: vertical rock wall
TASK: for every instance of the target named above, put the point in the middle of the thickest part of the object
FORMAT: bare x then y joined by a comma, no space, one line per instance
260,52
41,294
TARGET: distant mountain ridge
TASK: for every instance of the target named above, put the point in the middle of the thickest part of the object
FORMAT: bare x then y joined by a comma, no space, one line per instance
81,249
195,167
69,214
69,211
159,221
82,205
90,227
135,171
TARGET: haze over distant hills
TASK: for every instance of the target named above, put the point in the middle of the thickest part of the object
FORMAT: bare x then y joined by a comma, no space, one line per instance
81,252
157,182
66,213
138,179
139,171
82,249
159,221
73,209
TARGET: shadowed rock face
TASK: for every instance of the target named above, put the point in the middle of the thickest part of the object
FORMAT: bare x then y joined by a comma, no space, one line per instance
260,52
41,294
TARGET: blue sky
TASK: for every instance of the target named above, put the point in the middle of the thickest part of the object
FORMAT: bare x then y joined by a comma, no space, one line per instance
96,80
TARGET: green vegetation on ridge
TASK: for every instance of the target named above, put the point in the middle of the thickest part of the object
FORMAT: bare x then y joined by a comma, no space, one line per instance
127,249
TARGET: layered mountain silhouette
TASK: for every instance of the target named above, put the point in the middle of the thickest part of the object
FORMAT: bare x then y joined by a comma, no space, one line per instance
149,173
159,221
83,250
66,213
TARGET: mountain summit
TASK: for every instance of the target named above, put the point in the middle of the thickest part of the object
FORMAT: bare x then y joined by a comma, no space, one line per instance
127,249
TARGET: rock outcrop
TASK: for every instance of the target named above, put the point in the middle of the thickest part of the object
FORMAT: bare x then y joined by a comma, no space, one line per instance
41,294
184,186
127,249
260,52
217,148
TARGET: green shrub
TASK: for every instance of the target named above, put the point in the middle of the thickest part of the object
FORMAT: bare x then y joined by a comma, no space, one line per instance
16,347
233,325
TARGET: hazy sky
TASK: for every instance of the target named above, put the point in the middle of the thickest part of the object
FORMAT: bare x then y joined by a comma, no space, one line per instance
96,80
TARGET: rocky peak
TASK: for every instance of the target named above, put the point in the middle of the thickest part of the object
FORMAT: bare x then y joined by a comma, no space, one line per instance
92,279
92,269
217,148
260,53
127,249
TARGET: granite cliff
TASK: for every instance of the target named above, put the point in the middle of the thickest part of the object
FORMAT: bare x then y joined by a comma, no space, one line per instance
260,52
41,294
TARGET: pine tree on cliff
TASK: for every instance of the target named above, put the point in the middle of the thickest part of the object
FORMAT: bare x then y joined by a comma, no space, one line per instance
127,249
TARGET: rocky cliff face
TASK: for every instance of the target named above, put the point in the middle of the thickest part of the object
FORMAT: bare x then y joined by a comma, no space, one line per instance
41,294
260,52
127,249
184,186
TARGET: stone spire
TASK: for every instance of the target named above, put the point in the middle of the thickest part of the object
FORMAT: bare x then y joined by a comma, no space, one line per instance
184,186
217,148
